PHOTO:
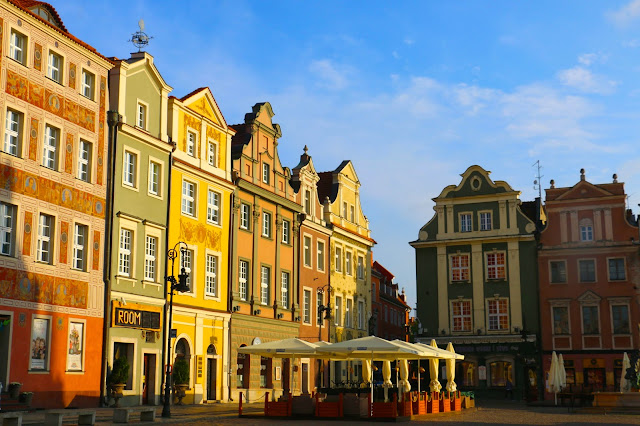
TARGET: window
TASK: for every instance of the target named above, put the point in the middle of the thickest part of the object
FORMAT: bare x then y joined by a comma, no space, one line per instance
338,310
485,221
307,202
188,198
265,372
286,226
616,269
498,315
306,309
307,251
80,235
501,373
242,279
154,178
124,254
265,275
495,266
54,67
560,320
266,224
347,263
460,267
13,133
142,116
344,210
50,147
191,144
620,316
84,160
187,264
587,270
338,259
284,290
465,222
245,212
320,252
127,351
211,273
150,249
590,323
129,169
360,268
352,214
461,315
349,314
7,228
212,154
45,233
17,47
558,271
88,84
586,233
213,208
265,173
360,314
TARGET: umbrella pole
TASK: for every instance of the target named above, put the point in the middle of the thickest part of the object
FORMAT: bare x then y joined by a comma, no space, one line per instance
418,380
371,408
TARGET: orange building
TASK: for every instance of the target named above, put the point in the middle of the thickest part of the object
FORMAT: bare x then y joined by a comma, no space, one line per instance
264,257
52,207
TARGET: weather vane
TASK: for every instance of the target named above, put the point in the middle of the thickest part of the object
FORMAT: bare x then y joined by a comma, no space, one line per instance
140,39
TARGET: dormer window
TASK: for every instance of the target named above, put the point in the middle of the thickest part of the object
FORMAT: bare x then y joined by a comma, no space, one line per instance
307,202
44,14
265,173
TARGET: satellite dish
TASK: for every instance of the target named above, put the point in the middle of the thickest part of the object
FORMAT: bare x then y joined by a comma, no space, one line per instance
141,24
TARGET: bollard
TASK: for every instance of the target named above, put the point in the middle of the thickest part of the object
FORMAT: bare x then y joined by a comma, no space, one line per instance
240,405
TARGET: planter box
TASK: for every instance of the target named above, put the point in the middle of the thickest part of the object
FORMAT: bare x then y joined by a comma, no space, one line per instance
616,399
433,404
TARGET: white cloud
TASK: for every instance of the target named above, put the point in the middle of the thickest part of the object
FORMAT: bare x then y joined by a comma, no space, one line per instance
329,75
408,41
626,14
395,54
592,58
633,43
585,81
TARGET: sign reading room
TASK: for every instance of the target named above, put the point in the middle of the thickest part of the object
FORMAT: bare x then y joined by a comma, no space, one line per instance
136,316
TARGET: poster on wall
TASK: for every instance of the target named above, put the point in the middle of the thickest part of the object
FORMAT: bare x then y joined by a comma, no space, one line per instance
39,344
75,346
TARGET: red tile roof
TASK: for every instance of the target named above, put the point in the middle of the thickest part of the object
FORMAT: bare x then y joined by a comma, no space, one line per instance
383,270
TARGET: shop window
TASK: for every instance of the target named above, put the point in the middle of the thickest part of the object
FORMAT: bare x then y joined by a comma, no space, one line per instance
501,372
569,368
125,350
595,377
243,370
265,372
466,373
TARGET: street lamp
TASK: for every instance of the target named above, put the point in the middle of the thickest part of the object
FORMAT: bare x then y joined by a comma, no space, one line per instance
173,285
324,308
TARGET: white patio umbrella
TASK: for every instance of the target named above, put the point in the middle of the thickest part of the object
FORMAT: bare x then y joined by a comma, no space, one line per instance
625,385
386,377
562,372
366,373
434,363
451,370
441,353
404,385
553,384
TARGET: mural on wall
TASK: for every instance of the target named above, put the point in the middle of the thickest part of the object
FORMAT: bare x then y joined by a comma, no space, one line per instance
68,156
1,37
217,136
96,250
33,140
72,75
64,238
200,233
193,123
101,128
39,288
46,99
26,241
37,57
21,182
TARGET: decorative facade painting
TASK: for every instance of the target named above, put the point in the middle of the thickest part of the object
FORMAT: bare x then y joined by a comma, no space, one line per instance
96,250
64,239
26,241
68,155
37,57
33,140
1,37
39,344
72,75
21,182
43,98
101,128
200,233
75,346
39,288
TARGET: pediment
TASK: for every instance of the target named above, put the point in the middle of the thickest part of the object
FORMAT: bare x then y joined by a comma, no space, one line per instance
584,189
347,170
475,181
589,297
146,62
203,102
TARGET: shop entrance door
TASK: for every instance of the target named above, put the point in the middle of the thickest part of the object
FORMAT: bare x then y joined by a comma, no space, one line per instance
212,372
149,379
305,378
5,345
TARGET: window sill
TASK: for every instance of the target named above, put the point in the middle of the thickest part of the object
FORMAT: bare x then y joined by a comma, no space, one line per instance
217,225
247,230
459,282
130,187
266,237
496,280
88,98
17,62
74,373
38,372
211,297
189,216
49,168
156,196
55,81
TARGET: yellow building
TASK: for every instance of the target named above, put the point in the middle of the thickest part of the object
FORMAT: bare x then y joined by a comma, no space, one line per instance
201,191
351,243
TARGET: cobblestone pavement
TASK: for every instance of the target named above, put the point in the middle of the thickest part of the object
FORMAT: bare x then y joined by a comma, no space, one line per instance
493,412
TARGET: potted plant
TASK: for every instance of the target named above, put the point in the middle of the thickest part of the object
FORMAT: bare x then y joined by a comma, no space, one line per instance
14,389
26,398
118,378
180,378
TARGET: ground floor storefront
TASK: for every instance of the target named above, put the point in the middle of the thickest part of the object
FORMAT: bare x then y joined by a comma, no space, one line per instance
201,338
254,375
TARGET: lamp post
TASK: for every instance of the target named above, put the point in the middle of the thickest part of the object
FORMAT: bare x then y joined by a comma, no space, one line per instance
173,285
324,308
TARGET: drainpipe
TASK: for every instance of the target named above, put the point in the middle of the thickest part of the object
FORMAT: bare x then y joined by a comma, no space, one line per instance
113,120
229,290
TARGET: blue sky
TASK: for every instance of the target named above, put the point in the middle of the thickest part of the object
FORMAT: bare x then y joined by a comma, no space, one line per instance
413,92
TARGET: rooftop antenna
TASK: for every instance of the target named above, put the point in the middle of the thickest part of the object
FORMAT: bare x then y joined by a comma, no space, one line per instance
537,183
140,39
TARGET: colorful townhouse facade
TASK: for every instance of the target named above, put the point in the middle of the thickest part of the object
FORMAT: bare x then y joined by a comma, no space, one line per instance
589,275
351,258
199,229
476,281
140,159
264,298
52,207
313,246
390,311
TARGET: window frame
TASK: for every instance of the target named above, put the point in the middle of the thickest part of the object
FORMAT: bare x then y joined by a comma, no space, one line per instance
618,303
462,316
462,215
10,133
215,208
243,218
498,315
482,221
47,148
126,254
84,85
307,260
338,310
81,161
211,277
243,279
307,312
190,200
285,285
348,313
191,270
266,224
265,285
50,68
135,180
582,323
24,50
210,143
77,247
586,233
10,230
624,268
191,144
348,262
266,173
151,258
160,165
286,231
556,261
566,306
49,239
595,270
338,259
453,268
320,255
360,316
360,268
496,266
142,120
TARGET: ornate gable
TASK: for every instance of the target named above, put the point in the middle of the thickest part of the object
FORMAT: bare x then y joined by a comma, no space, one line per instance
589,297
584,189
475,181
203,102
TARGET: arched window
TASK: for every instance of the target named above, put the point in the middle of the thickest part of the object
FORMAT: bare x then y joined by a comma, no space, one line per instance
211,350
183,350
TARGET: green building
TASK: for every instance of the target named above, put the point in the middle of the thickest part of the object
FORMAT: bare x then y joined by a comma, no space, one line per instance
476,281
135,256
